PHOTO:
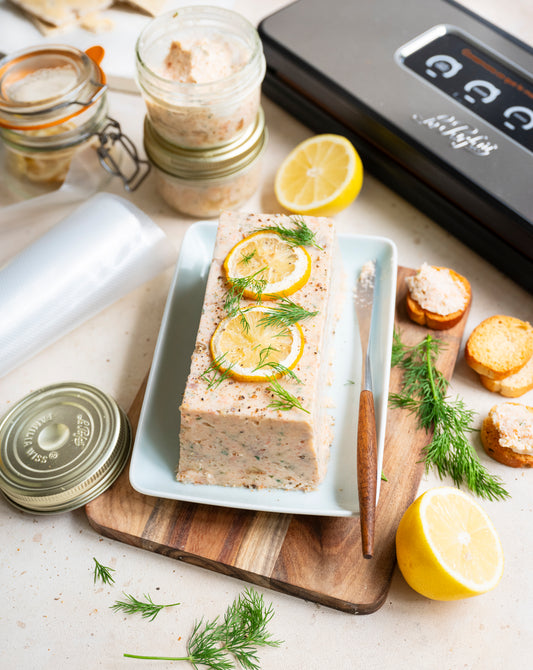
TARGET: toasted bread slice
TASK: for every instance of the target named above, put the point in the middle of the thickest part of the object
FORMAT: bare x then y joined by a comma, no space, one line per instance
499,346
512,386
507,434
425,314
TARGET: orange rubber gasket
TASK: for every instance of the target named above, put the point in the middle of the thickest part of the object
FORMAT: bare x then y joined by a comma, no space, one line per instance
96,54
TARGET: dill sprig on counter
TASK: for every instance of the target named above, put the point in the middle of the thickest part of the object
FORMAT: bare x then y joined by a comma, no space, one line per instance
148,610
103,572
424,393
299,235
245,628
241,632
284,313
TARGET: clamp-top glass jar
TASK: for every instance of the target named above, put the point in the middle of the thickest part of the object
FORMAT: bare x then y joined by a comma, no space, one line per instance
53,102
200,71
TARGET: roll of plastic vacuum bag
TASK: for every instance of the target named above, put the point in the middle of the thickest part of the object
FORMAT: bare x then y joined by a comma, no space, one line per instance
98,253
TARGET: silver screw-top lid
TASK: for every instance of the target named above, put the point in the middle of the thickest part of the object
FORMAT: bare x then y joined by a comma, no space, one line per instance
212,163
62,446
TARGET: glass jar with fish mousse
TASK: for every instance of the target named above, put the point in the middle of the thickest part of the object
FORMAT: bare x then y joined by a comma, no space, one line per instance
200,70
204,182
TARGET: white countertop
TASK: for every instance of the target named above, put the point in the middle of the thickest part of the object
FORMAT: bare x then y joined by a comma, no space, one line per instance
52,614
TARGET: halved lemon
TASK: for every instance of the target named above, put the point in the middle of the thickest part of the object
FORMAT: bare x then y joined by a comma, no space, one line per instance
321,176
250,350
447,547
281,268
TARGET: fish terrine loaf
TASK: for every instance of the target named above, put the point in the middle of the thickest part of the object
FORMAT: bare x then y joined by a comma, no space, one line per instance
229,435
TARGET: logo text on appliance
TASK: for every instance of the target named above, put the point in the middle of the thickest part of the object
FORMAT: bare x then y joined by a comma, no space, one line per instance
460,135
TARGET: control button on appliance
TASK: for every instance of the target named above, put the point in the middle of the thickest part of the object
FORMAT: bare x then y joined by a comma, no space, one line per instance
522,115
486,91
446,66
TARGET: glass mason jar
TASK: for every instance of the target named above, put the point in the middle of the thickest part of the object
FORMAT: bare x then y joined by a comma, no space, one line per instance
200,70
53,102
204,182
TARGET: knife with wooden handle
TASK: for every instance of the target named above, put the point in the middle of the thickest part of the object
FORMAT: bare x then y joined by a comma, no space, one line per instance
366,429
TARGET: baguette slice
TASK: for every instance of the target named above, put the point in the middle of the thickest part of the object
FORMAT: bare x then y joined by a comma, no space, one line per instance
512,386
520,421
499,346
432,319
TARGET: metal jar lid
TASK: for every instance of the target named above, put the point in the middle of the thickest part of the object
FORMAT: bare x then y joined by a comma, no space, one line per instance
62,446
201,164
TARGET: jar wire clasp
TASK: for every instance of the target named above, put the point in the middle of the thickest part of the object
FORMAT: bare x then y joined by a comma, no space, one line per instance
136,170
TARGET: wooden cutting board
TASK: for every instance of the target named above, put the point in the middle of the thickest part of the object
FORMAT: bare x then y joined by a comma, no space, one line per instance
315,558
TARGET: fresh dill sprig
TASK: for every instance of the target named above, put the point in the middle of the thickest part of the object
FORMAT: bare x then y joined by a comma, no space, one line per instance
238,636
284,400
214,376
246,258
245,324
148,610
284,313
238,285
265,352
424,393
277,368
205,647
103,572
300,235
245,628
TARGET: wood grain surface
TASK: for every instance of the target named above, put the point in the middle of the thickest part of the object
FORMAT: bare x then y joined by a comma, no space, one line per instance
315,558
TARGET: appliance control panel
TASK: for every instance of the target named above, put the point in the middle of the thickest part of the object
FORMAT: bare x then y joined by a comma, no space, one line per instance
437,100
487,86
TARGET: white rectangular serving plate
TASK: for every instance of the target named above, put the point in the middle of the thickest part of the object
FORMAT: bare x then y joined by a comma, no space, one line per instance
156,448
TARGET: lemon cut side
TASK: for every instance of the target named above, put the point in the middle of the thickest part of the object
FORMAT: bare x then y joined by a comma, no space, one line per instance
447,547
321,176
249,350
266,256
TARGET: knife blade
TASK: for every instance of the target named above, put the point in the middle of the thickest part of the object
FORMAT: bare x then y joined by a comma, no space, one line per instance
366,427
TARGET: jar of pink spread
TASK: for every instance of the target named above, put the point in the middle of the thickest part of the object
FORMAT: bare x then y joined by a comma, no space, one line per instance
204,182
200,70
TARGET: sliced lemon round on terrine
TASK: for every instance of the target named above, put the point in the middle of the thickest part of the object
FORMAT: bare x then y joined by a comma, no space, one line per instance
247,347
265,266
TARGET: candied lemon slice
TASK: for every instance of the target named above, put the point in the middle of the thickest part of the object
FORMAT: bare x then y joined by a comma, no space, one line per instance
321,176
269,262
248,349
447,547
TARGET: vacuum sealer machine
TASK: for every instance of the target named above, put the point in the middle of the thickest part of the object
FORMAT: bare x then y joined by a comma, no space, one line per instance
438,102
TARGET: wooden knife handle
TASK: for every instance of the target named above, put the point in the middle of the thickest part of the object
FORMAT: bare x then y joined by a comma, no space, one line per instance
367,459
